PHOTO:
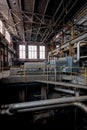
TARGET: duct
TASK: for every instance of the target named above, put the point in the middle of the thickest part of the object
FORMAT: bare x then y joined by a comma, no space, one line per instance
64,90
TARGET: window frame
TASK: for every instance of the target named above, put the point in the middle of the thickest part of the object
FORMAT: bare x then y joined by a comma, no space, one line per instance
42,52
23,50
32,51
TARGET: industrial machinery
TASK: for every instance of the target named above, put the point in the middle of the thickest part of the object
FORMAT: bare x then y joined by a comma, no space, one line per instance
29,68
34,68
64,65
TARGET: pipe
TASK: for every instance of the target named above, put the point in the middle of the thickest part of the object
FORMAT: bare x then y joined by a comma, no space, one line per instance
43,115
78,51
8,111
64,90
76,104
43,108
42,104
81,106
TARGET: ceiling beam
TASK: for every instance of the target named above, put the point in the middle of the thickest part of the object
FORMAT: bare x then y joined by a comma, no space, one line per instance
63,17
26,12
67,12
22,24
53,17
32,17
12,16
58,8
56,22
42,19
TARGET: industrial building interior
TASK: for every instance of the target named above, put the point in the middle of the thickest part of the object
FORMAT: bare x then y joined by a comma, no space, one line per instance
43,64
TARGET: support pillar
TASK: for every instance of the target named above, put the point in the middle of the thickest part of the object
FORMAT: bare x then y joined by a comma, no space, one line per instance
43,92
72,31
62,37
26,46
71,50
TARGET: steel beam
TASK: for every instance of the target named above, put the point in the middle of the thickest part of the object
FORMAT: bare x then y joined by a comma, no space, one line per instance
42,19
51,31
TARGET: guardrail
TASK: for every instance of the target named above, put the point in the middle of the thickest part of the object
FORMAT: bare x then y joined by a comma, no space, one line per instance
77,75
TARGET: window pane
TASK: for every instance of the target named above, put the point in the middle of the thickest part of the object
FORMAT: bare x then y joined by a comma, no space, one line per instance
1,26
42,52
32,52
22,51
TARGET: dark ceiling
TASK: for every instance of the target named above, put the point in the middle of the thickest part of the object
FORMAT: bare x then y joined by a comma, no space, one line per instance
37,20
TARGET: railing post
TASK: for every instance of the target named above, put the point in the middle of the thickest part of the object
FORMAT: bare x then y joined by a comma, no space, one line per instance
71,73
55,73
25,78
85,76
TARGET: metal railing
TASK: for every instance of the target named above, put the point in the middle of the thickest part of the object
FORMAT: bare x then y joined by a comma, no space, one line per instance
77,75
